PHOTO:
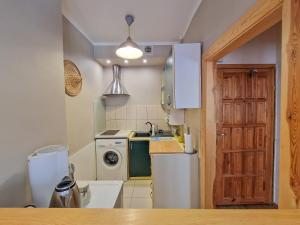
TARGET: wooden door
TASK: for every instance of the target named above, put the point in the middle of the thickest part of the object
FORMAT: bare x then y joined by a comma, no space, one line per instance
245,124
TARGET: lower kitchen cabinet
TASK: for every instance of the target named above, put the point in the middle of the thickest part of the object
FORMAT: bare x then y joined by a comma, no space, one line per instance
139,159
175,179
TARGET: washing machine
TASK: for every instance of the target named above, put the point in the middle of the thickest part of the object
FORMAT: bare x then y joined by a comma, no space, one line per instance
112,160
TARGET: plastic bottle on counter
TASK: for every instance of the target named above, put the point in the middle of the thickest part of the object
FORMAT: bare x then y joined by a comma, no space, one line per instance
188,146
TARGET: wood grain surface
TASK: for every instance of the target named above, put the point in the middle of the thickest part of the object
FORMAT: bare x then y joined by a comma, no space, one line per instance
245,134
147,217
293,51
165,147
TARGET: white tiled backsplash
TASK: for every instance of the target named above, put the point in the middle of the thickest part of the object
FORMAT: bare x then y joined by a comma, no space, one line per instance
134,117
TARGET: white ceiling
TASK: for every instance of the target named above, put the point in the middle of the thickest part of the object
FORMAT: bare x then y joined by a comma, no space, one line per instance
156,21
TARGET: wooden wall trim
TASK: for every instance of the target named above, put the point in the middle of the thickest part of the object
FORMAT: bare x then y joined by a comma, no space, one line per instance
294,95
203,137
263,15
208,134
242,66
289,195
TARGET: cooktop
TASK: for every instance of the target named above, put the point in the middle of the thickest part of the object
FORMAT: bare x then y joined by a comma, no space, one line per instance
110,132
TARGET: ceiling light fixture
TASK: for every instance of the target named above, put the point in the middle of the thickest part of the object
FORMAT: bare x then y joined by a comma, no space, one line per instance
108,61
126,61
129,49
144,60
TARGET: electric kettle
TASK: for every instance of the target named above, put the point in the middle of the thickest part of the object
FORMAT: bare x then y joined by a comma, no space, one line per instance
66,194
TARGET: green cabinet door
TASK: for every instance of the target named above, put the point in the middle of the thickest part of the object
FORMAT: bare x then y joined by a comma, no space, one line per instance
139,159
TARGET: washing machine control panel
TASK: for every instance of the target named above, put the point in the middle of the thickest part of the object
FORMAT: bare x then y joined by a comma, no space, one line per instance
104,143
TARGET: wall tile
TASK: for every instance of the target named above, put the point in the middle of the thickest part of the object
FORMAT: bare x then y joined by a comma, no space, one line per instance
134,117
162,113
161,124
121,113
110,113
141,125
131,112
153,112
111,125
141,111
121,124
155,123
131,124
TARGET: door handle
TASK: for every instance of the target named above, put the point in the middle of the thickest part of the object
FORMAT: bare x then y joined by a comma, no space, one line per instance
169,100
221,134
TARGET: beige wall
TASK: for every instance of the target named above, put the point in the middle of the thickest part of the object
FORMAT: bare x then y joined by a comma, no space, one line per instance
31,88
80,109
212,18
142,83
143,104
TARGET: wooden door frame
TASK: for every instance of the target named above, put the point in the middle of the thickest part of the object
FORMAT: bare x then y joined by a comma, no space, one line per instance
270,119
262,16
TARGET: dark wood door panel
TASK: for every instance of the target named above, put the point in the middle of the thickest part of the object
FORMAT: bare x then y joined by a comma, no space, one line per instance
244,135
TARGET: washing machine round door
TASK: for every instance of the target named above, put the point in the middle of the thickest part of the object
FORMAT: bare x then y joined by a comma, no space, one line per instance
112,158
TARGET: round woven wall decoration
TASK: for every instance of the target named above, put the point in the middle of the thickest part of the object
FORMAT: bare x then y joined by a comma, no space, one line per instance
73,79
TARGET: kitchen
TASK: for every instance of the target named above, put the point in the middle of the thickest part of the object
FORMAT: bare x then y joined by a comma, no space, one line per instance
132,109
77,119
136,108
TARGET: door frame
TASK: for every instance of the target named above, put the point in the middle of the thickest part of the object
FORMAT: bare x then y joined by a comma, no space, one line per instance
262,16
271,120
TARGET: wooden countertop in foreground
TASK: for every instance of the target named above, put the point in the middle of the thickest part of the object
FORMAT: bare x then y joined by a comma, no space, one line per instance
147,217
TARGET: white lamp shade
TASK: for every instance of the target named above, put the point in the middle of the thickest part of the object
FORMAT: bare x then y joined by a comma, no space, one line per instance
129,50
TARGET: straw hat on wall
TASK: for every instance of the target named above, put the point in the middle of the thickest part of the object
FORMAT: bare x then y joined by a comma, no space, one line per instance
73,79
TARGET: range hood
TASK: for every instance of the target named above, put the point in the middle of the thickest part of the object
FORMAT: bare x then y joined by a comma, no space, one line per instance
116,87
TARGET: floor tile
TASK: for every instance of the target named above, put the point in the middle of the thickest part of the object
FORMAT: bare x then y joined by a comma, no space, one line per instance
130,182
136,194
140,203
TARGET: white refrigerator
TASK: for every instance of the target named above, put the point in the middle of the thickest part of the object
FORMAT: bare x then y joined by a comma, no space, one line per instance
175,180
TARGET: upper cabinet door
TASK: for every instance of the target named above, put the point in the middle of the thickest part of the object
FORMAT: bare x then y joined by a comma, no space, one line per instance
169,82
187,75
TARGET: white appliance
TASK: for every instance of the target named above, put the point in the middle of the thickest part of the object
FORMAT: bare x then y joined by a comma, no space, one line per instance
113,134
102,194
46,167
112,155
175,180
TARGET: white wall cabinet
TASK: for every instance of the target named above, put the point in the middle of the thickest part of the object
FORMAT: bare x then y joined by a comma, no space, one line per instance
181,85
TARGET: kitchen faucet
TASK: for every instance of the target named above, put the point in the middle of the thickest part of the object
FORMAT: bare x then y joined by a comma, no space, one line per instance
152,132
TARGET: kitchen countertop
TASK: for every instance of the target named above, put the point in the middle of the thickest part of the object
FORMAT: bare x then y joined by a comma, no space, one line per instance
161,145
165,147
102,193
148,217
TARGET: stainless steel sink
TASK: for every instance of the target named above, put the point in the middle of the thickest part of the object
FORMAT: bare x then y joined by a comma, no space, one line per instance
147,134
141,134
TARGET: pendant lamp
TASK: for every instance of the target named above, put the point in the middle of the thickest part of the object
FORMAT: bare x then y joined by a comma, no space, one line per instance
129,49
